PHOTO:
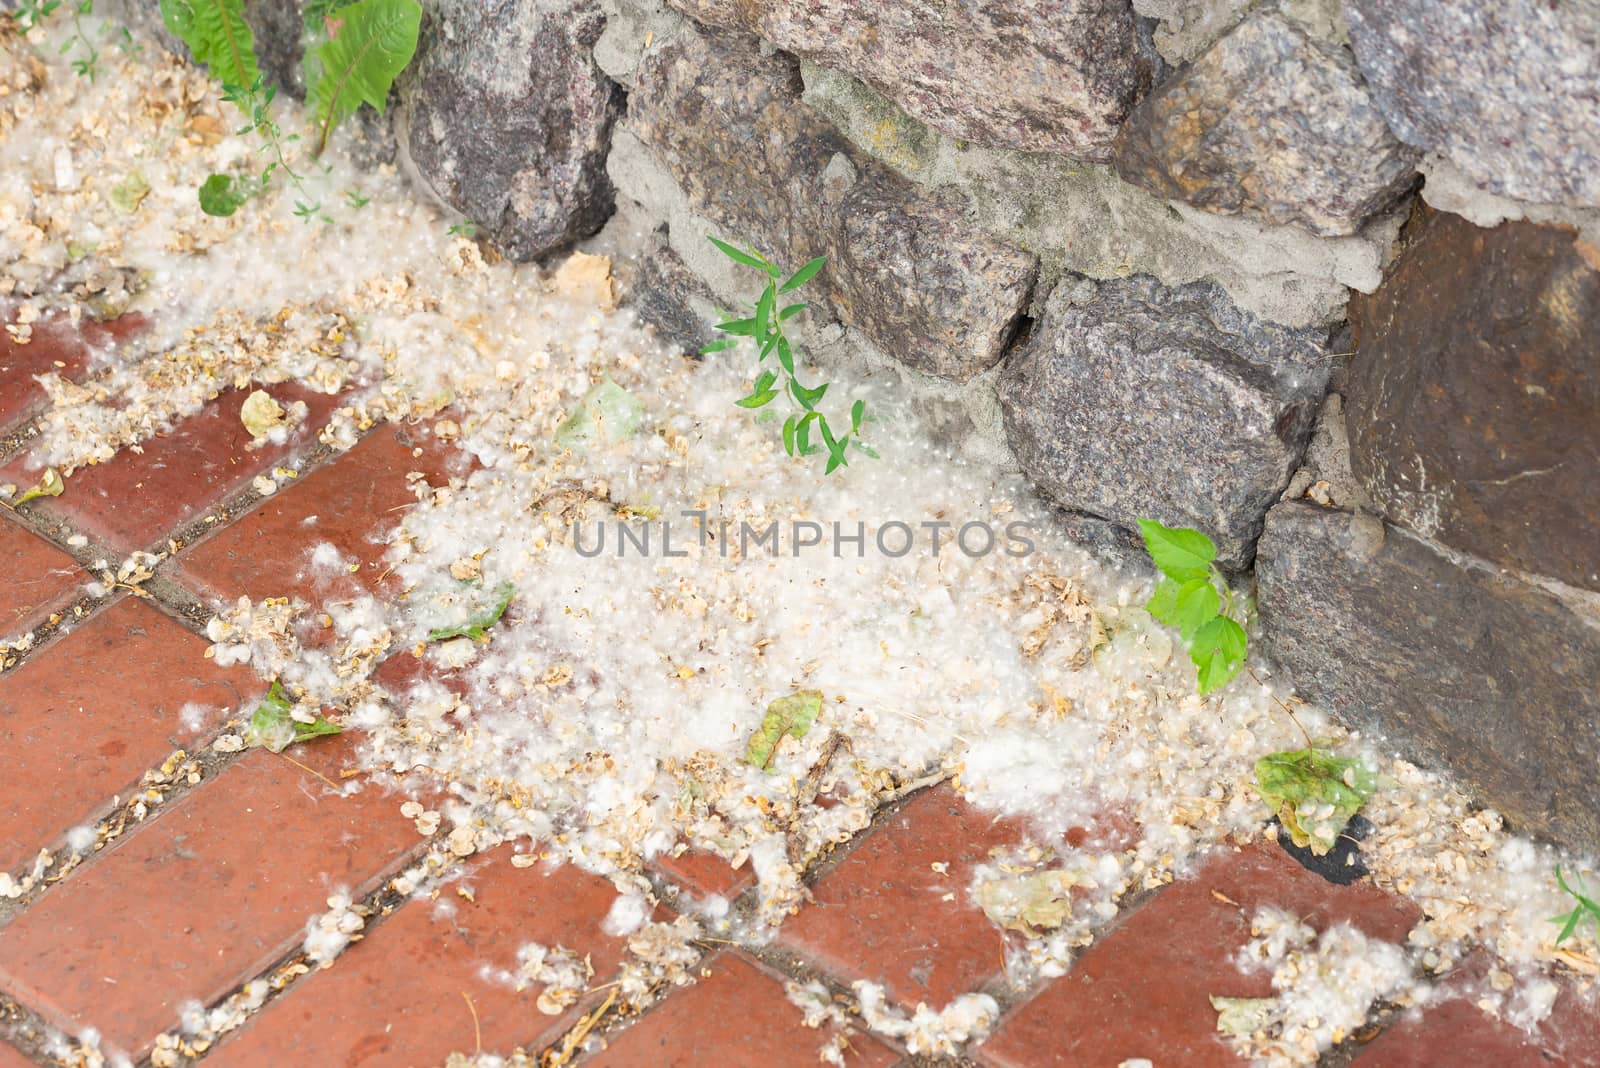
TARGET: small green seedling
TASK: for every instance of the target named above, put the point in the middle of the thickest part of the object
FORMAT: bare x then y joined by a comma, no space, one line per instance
31,13
273,726
477,628
355,53
765,327
792,715
1194,597
1586,908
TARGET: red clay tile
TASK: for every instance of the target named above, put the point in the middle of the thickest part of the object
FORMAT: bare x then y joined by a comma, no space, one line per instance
1570,1036
39,578
92,712
883,913
1143,990
211,892
705,874
738,1015
56,346
11,1058
399,996
1457,1026
351,503
138,497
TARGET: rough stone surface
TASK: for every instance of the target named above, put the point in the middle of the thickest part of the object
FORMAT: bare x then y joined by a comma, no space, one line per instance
727,126
1509,90
669,296
507,119
1474,395
1038,75
1167,404
1460,667
1270,122
1081,217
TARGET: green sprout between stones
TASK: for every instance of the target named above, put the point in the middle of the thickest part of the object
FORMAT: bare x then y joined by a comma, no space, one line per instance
1194,597
31,13
355,53
765,328
1586,908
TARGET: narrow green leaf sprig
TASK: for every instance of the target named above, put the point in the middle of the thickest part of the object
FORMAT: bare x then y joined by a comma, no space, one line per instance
1194,597
765,326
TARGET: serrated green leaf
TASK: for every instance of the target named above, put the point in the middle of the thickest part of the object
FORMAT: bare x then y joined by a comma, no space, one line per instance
865,448
804,274
718,346
221,195
792,715
858,411
477,627
1303,781
1197,604
375,41
790,311
1218,652
218,36
1179,552
788,434
785,355
273,726
746,258
1163,603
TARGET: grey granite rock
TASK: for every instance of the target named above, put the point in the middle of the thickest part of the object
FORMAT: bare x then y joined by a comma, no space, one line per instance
1039,75
670,297
506,119
1508,90
1166,404
1458,666
726,123
1273,123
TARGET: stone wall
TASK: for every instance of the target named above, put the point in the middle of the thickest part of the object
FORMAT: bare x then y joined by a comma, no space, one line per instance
1318,278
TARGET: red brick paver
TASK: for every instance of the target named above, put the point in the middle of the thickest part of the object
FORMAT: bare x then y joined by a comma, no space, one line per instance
92,712
56,347
350,504
211,893
139,497
1144,990
39,578
886,915
706,874
400,996
10,1058
739,1015
1569,1037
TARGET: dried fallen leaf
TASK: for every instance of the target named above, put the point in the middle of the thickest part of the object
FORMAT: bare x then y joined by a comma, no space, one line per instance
1243,1017
792,715
50,484
261,414
1032,903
